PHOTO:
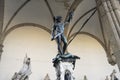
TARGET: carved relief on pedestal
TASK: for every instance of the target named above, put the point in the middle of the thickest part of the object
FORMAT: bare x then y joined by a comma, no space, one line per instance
65,65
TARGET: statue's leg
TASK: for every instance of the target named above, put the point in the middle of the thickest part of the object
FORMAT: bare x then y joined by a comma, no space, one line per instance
58,39
63,38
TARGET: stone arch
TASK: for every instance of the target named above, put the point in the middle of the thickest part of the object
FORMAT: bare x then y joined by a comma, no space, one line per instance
33,37
23,25
91,35
109,57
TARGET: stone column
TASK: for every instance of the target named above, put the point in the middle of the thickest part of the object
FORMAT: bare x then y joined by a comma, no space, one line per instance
110,12
116,20
115,13
116,8
117,56
115,16
1,14
1,25
111,22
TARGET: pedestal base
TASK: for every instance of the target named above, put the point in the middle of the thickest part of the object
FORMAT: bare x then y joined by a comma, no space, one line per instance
64,71
64,65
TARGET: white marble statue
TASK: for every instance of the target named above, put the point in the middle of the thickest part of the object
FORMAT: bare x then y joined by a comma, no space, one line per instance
24,72
113,75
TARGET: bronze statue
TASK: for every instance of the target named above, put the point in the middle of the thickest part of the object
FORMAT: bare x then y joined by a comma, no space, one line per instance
58,32
64,63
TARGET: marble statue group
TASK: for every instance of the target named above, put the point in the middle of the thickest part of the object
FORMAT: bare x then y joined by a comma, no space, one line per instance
112,76
24,72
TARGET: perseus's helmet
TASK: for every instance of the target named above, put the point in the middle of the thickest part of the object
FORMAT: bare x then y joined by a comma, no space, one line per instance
58,18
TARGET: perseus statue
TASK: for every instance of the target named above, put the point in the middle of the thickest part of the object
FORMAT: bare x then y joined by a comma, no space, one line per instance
58,32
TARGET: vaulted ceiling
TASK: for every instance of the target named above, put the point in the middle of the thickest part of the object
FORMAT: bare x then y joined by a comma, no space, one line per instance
39,13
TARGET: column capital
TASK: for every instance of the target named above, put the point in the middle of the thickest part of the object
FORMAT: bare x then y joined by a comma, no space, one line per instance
117,56
111,59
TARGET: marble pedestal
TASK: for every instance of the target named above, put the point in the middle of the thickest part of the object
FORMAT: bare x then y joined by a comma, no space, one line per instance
64,66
